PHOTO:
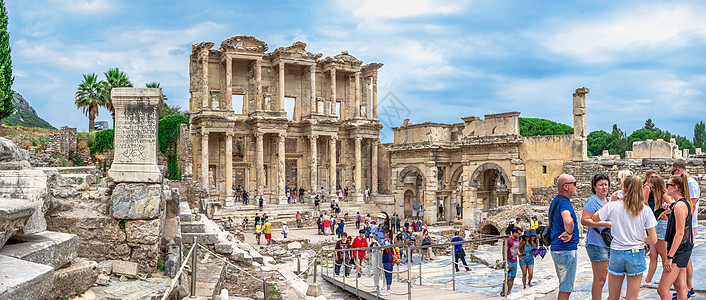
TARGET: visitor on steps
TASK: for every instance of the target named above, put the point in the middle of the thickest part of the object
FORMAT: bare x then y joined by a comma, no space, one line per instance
299,220
258,231
598,251
327,225
629,218
458,251
339,229
267,229
680,242
357,220
458,211
246,198
564,234
257,218
679,168
316,203
260,203
512,254
285,229
245,223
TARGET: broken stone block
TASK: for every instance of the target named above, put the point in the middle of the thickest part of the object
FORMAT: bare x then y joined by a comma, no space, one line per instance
294,245
143,232
10,152
79,276
127,268
203,238
105,267
14,213
136,201
224,248
193,227
47,248
145,255
30,186
100,237
23,279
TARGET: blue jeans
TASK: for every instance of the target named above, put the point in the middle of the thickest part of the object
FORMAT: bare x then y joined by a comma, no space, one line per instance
565,265
511,269
462,258
628,262
388,272
597,253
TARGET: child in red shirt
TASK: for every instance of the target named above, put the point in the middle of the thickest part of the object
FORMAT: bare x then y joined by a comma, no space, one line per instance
359,242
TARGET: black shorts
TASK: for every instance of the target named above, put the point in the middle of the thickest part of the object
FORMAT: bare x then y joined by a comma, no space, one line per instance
681,258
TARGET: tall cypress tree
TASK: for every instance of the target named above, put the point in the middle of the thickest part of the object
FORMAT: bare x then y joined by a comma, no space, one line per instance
5,66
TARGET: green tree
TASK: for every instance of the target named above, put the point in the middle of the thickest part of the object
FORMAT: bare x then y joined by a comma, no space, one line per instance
171,110
167,136
6,78
597,142
536,126
649,125
115,78
641,134
700,135
618,141
90,96
155,84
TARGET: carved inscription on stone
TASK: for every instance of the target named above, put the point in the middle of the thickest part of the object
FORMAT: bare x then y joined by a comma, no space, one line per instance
138,130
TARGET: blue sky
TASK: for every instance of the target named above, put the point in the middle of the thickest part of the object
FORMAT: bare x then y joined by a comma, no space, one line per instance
443,59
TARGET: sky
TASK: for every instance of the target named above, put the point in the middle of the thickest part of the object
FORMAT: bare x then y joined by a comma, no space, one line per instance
443,60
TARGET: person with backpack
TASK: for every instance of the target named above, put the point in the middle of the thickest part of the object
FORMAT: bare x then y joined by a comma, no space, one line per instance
388,261
564,234
342,257
629,218
598,251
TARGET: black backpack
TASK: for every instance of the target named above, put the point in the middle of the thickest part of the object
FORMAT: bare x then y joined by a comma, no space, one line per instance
546,233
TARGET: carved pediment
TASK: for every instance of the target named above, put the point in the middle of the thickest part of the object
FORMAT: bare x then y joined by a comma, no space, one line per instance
198,47
296,50
344,57
371,67
244,43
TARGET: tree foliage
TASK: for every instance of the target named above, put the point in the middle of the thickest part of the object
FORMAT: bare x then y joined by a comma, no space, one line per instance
168,135
700,135
89,97
103,141
537,126
597,142
6,78
617,143
650,125
155,85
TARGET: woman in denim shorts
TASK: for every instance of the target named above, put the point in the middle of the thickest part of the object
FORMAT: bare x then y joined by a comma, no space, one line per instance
629,219
598,251
659,201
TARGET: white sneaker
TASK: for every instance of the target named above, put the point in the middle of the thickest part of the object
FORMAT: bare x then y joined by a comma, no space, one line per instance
385,293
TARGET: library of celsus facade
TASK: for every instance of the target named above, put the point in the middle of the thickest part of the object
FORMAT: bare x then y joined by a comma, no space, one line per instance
286,118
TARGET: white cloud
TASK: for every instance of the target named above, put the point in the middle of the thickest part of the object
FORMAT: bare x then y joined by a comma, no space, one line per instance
84,6
396,9
650,29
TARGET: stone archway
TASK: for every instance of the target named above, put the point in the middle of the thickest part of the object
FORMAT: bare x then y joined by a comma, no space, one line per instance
456,187
411,180
491,183
406,171
410,200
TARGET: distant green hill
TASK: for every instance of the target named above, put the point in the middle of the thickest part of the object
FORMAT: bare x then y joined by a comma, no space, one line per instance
536,126
24,115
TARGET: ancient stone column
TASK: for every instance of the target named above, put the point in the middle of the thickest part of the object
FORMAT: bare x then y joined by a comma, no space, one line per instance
258,84
229,83
333,91
580,144
358,166
204,159
357,95
314,105
204,88
281,86
332,155
229,165
260,163
374,167
312,152
375,96
280,169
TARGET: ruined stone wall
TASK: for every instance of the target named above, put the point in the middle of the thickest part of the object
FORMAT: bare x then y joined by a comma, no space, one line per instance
184,152
655,149
493,125
63,142
544,158
425,132
384,170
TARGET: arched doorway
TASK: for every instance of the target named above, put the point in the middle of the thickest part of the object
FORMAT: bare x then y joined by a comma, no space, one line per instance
410,200
410,180
491,183
456,187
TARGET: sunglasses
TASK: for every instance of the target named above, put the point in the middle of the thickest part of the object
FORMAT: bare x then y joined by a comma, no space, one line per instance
573,182
671,184
601,176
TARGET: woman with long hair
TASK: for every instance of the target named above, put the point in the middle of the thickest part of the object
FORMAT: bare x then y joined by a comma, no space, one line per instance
629,219
426,241
660,202
527,244
598,251
622,174
647,187
679,238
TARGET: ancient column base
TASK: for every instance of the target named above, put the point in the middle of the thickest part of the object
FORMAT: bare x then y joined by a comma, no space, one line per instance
121,172
229,202
357,197
283,200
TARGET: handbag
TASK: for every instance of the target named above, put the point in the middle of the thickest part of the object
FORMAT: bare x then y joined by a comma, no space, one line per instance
606,235
546,233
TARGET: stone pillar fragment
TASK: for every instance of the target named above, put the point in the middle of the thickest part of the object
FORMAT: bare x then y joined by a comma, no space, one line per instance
357,95
332,154
229,83
280,169
204,160
229,165
580,147
333,91
204,88
375,96
314,104
374,167
136,114
358,166
281,87
312,151
258,84
259,162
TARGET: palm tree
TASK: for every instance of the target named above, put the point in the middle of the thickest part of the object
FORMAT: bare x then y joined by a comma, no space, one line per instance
155,84
115,78
89,96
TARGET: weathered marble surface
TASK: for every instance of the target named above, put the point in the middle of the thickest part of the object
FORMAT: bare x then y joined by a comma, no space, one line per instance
14,214
136,201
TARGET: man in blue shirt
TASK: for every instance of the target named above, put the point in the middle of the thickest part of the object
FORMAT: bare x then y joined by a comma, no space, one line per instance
564,234
458,251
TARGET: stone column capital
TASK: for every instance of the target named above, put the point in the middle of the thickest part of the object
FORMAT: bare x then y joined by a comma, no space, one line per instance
230,134
281,64
358,139
313,137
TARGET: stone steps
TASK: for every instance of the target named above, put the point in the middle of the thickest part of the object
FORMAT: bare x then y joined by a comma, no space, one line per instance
21,279
54,249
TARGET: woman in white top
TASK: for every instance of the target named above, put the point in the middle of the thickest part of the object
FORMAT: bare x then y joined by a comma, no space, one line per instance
629,218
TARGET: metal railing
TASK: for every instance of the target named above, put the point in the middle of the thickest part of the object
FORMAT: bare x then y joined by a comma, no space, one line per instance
346,260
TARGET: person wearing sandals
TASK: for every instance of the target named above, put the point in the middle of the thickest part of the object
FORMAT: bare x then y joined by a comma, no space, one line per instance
680,242
527,244
629,218
598,251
